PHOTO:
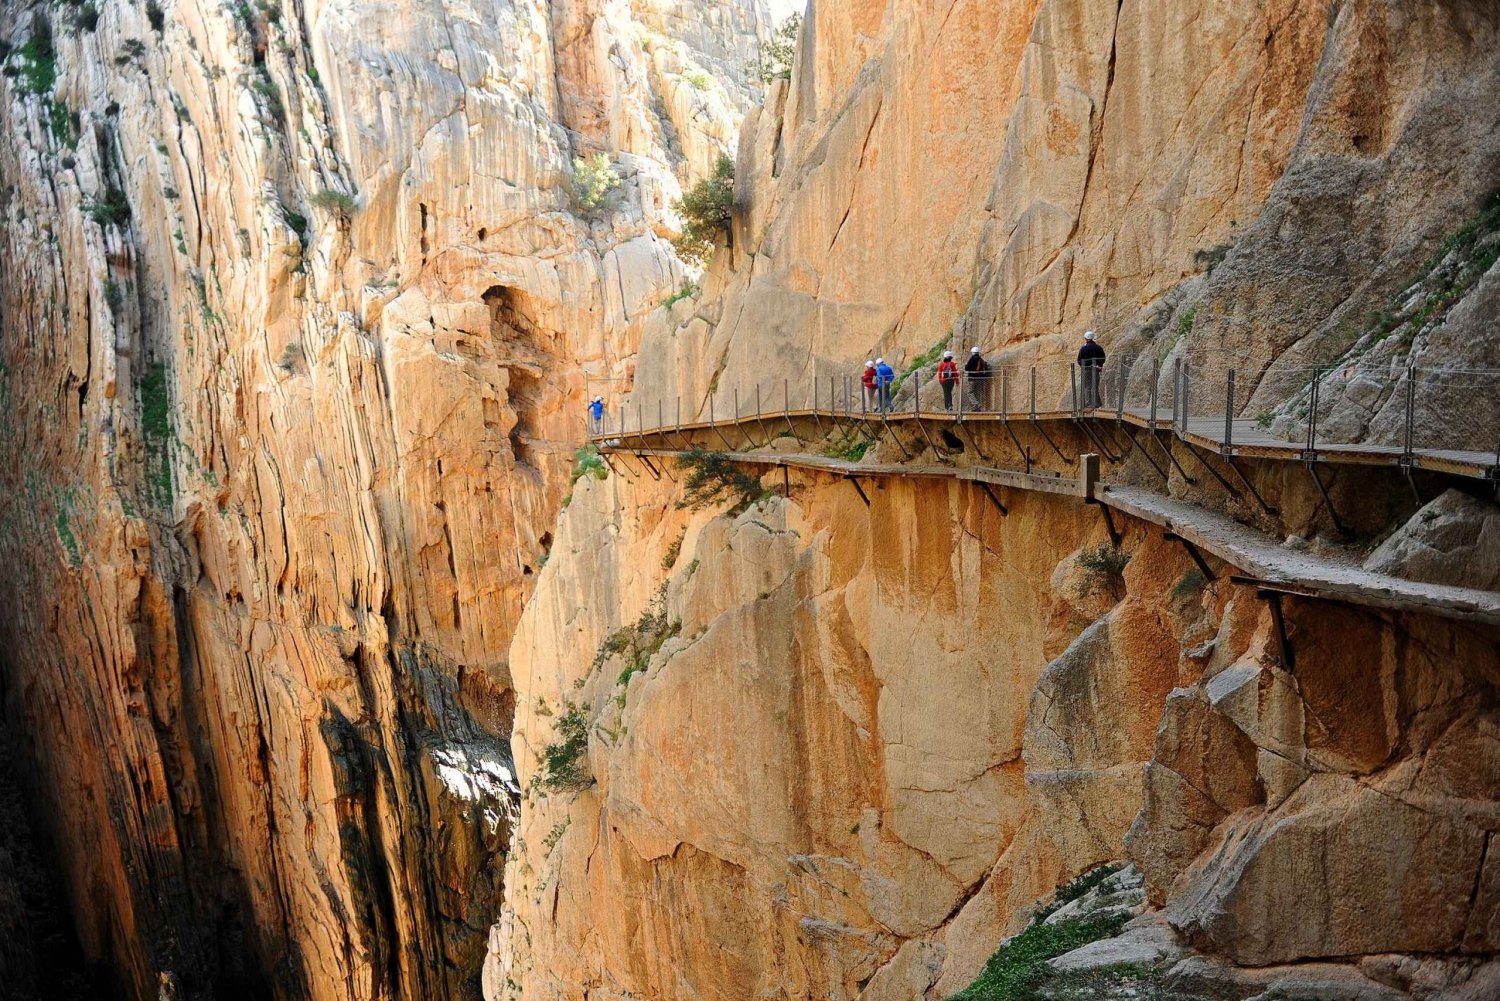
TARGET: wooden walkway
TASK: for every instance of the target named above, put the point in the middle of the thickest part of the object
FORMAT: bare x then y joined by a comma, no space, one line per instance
1262,561
1244,436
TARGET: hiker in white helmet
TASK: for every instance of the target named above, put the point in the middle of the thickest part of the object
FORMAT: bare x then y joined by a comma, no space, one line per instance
977,372
1091,364
867,379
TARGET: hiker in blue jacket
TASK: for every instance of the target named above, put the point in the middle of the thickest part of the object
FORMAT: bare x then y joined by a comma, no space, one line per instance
596,415
884,376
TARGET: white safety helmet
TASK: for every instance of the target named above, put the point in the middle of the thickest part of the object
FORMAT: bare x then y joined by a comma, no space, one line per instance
1088,335
869,364
880,361
947,354
974,350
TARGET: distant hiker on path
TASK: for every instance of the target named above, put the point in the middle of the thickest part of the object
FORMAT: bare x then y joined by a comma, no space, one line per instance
978,372
884,375
868,379
596,415
1091,361
947,376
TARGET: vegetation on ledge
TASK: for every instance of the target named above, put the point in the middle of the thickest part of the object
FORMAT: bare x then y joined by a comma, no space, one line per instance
1018,970
707,208
713,477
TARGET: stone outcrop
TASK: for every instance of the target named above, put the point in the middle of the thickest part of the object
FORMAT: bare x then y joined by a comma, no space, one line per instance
298,317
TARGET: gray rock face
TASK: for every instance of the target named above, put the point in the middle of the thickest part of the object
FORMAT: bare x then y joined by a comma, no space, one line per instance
1455,539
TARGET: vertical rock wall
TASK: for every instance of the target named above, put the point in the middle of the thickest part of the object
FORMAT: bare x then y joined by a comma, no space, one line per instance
297,319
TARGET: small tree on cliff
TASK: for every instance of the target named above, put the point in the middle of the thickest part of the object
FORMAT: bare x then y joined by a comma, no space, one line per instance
706,208
780,51
594,187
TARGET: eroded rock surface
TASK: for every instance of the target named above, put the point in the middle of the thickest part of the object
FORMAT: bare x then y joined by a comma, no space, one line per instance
298,317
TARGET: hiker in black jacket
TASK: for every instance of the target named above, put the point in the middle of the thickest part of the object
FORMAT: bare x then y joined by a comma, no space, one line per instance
1091,362
977,373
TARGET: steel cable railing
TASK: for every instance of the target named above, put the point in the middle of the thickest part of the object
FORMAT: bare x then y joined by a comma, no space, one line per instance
1396,413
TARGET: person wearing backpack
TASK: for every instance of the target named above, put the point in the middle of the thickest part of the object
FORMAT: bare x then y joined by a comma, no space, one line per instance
978,371
947,378
884,376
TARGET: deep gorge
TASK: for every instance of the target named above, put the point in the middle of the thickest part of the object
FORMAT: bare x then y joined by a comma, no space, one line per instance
311,592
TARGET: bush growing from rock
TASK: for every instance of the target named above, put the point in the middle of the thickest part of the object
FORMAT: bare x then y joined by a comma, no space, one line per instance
706,208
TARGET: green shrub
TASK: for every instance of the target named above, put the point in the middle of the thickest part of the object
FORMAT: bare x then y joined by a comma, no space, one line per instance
85,17
1076,887
686,292
707,209
114,295
713,477
639,642
1103,568
111,210
669,558
853,452
698,79
37,72
156,429
564,764
587,462
334,201
1018,970
594,186
156,16
780,52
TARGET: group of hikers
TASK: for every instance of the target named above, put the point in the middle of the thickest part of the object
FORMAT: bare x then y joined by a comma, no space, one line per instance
878,381
978,379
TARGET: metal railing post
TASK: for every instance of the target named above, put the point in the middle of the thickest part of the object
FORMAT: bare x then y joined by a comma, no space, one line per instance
661,417
917,393
1073,382
1119,392
1176,390
1004,393
1312,418
962,392
736,404
1033,392
1183,426
815,394
711,420
1408,457
1155,380
757,402
1229,415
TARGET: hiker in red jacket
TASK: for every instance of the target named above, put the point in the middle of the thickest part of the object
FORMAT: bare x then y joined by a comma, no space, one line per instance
947,378
868,380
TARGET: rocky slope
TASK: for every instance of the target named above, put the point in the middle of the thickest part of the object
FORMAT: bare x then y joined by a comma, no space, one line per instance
852,746
298,314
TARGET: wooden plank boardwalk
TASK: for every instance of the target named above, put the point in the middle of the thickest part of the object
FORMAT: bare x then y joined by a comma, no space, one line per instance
1245,437
1259,556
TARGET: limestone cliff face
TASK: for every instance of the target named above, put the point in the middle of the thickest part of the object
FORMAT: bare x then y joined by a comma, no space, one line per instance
1244,185
297,318
836,751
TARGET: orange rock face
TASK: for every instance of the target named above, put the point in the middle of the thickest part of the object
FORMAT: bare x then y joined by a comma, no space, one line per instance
299,312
